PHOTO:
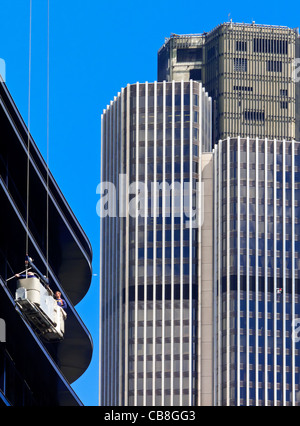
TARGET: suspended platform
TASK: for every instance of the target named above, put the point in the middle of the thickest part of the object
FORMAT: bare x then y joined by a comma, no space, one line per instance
38,305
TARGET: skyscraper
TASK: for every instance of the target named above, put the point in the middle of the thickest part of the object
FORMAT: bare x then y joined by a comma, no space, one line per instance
257,268
248,70
207,315
153,135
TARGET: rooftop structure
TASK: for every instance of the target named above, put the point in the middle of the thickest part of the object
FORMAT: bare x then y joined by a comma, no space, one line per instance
247,69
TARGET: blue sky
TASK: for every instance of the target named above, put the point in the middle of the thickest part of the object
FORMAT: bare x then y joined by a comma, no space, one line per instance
96,48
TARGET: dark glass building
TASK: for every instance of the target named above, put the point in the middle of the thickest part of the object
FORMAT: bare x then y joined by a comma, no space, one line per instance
34,371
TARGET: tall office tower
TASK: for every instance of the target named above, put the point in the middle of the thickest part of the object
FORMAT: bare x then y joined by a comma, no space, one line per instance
247,69
257,264
38,360
156,247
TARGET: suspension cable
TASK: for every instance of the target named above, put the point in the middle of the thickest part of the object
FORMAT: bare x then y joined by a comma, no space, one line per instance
28,134
48,134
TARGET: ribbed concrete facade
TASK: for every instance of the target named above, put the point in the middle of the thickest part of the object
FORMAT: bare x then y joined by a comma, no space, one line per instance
203,311
157,251
247,69
257,252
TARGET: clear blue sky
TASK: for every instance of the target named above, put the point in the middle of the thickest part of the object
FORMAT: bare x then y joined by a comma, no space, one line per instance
97,47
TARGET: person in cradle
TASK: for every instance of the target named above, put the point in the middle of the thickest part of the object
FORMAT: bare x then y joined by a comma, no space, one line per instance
59,300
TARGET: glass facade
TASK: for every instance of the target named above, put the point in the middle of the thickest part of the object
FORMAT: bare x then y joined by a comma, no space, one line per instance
153,134
14,391
33,371
257,196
